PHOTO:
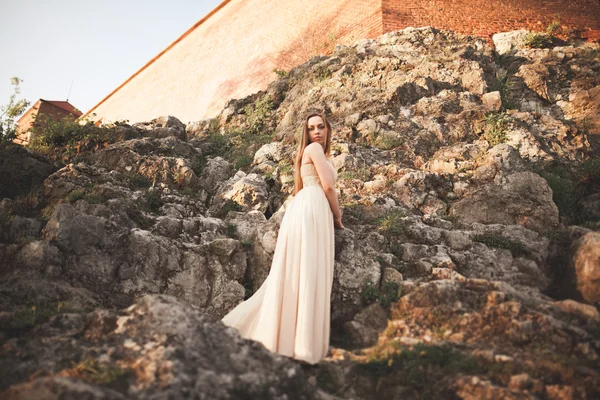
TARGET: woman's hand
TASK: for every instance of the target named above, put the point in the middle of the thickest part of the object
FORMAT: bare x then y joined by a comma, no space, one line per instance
337,221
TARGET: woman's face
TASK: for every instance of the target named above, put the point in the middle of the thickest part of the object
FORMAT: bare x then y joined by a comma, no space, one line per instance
317,132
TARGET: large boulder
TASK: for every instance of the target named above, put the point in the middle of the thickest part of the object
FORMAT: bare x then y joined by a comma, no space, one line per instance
166,160
505,42
22,171
243,191
157,348
162,127
586,264
523,198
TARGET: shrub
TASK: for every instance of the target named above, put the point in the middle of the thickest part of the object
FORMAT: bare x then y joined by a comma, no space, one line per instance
243,161
280,73
90,370
153,201
369,292
9,112
388,143
362,174
570,185
76,194
496,125
538,40
393,224
232,230
229,205
258,113
553,28
138,181
27,317
565,192
505,85
388,294
421,365
48,132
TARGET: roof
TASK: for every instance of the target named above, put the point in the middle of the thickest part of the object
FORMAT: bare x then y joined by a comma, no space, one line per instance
64,105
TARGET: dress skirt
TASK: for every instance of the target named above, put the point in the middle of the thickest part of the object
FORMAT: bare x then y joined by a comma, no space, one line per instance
290,312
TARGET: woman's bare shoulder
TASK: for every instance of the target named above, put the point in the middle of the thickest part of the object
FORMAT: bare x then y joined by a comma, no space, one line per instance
314,148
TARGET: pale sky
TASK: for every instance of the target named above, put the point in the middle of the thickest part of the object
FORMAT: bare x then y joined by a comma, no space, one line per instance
92,45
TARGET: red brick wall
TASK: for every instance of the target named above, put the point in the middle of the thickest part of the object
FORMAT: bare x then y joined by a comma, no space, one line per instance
485,17
233,51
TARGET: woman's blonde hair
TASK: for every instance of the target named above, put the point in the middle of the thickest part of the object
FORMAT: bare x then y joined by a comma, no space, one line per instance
305,141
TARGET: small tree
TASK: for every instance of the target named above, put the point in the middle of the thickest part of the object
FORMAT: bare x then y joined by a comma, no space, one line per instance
9,112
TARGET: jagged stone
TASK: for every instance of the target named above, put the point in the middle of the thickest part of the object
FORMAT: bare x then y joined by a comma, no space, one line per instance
216,171
22,171
164,348
248,192
162,127
586,263
505,42
411,120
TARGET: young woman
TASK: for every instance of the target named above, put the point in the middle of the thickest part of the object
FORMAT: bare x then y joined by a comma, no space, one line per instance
289,313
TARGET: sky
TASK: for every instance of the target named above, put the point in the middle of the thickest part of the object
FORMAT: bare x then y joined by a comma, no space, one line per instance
81,50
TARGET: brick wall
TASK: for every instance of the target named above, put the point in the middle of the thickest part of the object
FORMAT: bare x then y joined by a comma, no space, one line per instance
38,112
485,17
233,51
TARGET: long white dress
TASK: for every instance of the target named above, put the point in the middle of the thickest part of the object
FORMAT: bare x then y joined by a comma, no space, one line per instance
289,313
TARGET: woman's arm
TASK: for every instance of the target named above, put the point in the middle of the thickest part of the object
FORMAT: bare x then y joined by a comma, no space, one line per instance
314,152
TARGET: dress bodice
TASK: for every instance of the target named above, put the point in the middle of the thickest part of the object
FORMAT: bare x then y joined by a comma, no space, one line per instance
310,177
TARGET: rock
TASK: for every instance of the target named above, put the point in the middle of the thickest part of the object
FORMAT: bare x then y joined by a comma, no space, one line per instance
364,329
148,261
585,105
410,92
164,160
586,264
355,265
422,190
162,127
169,227
474,80
505,42
248,192
195,129
520,382
56,388
23,229
22,171
268,152
492,101
576,308
76,233
163,347
259,237
392,275
523,198
216,171
40,256
536,77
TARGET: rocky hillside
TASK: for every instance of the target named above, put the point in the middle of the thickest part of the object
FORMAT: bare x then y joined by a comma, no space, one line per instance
469,268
